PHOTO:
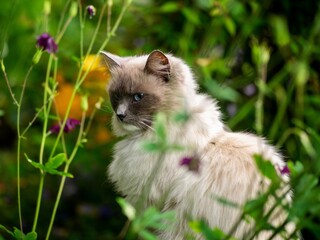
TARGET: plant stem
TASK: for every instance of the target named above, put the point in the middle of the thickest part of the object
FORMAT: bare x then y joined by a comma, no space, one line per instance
81,22
63,179
80,78
40,190
259,104
8,84
19,144
79,81
46,109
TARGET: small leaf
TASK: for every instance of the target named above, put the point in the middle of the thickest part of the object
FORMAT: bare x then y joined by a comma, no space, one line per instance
55,161
61,173
35,164
151,147
18,234
266,168
128,210
191,15
169,7
84,103
280,29
31,236
230,26
73,9
159,127
6,230
147,235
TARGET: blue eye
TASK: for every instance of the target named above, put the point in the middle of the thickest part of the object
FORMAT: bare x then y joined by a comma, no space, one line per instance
137,97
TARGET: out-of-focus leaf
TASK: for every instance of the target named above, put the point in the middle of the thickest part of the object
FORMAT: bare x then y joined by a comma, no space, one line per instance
169,7
266,168
191,15
230,25
280,29
56,161
128,210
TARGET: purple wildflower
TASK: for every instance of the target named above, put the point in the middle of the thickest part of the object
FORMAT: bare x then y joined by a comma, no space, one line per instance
284,170
91,11
47,43
70,125
250,90
191,163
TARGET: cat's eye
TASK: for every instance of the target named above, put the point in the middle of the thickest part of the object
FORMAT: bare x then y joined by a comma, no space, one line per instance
137,97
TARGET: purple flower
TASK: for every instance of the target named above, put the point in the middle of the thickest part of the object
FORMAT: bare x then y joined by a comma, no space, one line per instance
284,170
91,11
70,125
250,90
47,43
191,163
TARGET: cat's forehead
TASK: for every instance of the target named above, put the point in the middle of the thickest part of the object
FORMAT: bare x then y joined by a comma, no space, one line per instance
124,80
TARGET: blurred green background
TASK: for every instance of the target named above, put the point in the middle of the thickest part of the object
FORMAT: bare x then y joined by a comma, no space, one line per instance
215,37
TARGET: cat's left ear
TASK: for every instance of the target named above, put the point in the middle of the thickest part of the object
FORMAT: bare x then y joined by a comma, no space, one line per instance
111,60
158,64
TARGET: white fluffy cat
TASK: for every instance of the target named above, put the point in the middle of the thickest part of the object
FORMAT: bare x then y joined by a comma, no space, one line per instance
141,87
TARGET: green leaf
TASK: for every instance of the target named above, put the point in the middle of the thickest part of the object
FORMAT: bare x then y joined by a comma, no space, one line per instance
84,103
147,235
160,128
169,7
266,168
31,236
280,30
61,173
191,15
254,207
55,162
35,164
230,26
151,147
181,117
18,234
6,230
209,234
128,210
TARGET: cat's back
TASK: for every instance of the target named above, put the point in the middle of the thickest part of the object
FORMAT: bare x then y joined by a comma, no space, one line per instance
239,147
229,162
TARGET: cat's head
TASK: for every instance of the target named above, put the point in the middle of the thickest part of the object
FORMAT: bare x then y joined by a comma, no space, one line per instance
142,86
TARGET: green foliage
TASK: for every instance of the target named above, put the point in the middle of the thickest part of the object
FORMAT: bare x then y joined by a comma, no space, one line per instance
209,234
17,234
52,165
144,224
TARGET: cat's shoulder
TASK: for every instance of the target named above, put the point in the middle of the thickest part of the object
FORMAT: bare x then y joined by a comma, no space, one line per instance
243,142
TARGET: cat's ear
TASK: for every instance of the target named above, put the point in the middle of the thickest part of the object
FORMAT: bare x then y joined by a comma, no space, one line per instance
158,64
111,60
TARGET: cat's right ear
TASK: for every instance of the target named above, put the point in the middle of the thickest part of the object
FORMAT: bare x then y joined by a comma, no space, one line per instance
111,60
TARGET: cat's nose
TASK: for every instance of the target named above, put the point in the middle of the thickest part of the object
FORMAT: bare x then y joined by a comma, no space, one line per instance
121,116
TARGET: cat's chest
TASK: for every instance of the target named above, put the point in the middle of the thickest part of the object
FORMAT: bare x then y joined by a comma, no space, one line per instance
132,167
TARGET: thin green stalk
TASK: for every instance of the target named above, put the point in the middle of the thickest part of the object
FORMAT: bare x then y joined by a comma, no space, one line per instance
81,22
19,144
110,3
259,103
63,13
80,78
37,211
63,179
8,84
46,110
77,86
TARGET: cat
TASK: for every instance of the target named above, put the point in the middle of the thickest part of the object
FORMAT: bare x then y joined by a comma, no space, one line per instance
142,87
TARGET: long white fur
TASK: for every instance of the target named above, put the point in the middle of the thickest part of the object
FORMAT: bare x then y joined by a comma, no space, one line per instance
227,168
